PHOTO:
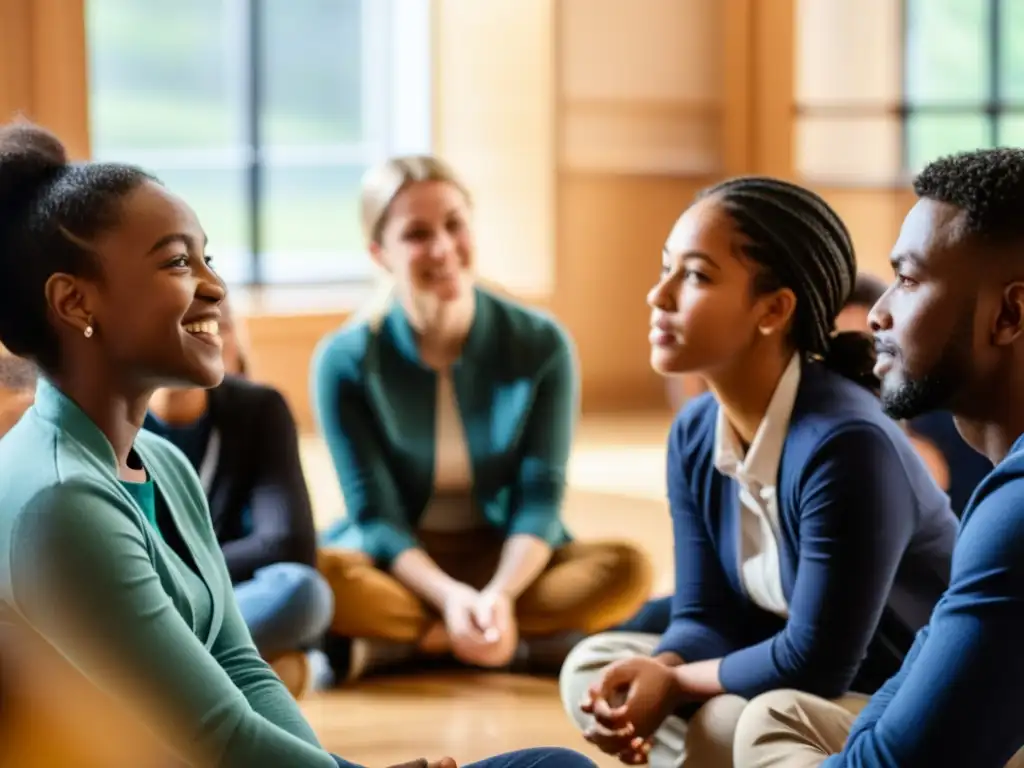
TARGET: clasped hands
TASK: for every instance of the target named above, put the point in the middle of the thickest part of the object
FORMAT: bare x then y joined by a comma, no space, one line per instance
628,704
481,626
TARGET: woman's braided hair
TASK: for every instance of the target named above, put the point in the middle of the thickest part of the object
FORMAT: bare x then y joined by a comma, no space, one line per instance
799,242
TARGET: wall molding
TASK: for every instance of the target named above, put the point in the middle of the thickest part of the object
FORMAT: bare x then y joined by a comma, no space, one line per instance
650,138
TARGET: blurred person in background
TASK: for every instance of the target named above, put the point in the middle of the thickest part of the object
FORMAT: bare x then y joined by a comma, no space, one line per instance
235,336
17,389
449,413
811,542
241,439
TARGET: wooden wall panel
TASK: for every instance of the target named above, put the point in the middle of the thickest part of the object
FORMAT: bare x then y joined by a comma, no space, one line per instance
774,37
874,217
43,68
612,229
641,107
640,93
495,111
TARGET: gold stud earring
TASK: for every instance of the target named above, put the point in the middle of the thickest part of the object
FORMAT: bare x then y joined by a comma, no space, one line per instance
88,331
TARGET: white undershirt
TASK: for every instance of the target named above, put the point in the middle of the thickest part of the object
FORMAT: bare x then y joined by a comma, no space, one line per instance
451,506
756,475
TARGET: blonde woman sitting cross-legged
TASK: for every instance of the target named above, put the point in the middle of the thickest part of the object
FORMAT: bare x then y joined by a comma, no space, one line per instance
449,413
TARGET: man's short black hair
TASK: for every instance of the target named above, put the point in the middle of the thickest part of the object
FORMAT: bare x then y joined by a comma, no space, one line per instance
867,290
16,372
986,184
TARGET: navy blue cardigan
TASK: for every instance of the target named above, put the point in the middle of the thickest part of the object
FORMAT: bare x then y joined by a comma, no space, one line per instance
866,540
956,701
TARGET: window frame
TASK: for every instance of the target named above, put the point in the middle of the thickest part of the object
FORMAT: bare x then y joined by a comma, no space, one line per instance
396,114
993,107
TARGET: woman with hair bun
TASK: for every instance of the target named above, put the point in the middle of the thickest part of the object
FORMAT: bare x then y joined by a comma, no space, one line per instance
107,552
811,541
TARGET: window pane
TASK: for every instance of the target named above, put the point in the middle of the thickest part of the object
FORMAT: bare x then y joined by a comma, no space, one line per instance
218,196
1011,131
163,74
849,150
929,137
312,70
1011,50
311,224
947,51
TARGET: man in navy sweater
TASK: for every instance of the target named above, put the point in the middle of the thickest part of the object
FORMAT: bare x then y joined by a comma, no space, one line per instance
949,333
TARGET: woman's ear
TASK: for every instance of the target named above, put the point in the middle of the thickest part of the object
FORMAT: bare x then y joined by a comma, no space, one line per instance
378,255
778,310
69,303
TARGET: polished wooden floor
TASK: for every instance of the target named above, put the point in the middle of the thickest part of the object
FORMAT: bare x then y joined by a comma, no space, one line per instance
616,490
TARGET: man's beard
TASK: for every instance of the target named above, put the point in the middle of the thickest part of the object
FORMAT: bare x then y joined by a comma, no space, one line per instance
936,389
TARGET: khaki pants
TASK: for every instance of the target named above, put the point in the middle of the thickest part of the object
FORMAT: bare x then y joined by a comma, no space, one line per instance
703,741
586,586
791,729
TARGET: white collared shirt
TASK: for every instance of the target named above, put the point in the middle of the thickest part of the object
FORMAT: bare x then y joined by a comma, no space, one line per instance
756,474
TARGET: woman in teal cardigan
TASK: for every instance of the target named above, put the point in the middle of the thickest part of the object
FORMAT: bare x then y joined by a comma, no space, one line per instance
107,552
449,414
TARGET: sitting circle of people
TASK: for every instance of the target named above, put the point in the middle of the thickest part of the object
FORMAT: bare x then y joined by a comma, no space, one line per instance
828,608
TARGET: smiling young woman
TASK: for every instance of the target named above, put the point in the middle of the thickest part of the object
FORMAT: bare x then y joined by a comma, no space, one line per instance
108,555
108,559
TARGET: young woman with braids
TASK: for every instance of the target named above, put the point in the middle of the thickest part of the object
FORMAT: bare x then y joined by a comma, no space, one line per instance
811,542
107,553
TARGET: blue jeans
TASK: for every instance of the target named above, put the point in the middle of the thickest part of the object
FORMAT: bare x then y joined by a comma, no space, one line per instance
536,757
287,607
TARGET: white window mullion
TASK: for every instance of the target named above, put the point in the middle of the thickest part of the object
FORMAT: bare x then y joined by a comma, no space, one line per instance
376,74
411,111
236,63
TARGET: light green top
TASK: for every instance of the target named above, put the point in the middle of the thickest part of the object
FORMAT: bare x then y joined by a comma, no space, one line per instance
79,560
145,496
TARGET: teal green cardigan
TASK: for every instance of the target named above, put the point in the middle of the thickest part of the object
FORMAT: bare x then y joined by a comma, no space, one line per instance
516,385
82,565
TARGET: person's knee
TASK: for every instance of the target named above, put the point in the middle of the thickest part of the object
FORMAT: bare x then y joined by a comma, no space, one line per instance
711,730
760,716
581,668
542,757
493,656
562,757
628,582
308,600
629,569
